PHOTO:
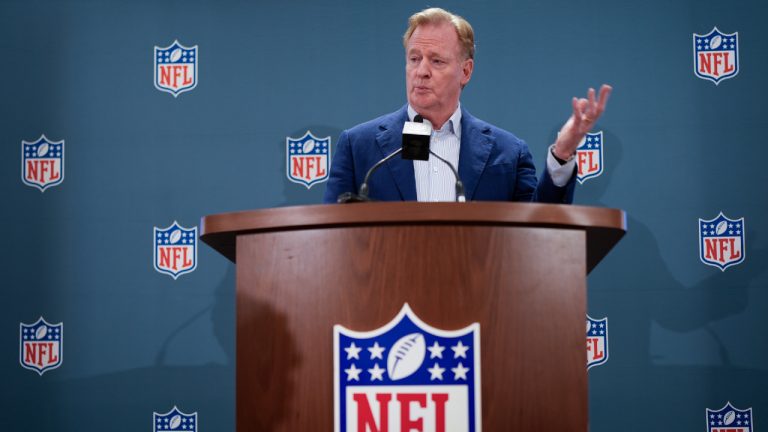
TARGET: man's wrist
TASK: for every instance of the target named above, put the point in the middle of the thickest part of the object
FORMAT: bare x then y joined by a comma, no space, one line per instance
559,157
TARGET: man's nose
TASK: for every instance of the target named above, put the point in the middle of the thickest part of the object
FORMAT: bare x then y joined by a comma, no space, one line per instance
422,69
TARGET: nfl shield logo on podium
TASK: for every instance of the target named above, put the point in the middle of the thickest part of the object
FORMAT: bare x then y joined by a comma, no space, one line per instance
175,68
308,159
721,241
42,163
175,250
41,345
407,376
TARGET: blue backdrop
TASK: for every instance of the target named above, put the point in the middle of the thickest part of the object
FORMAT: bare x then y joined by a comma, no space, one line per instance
684,336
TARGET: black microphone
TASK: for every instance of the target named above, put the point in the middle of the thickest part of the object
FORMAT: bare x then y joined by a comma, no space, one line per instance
416,136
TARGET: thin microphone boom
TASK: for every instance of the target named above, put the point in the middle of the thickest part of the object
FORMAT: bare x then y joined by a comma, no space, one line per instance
459,185
364,187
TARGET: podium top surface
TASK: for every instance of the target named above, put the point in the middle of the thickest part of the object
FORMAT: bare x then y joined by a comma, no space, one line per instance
604,226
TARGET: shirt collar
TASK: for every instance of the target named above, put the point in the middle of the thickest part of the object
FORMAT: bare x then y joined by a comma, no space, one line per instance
454,122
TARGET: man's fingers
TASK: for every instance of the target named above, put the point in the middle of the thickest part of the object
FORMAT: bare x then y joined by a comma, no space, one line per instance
576,110
605,92
583,104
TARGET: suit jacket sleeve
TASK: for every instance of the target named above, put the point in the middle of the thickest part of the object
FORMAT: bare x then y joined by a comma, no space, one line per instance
342,176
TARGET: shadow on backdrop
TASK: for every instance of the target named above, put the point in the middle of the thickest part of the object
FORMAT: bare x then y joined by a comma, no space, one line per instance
634,287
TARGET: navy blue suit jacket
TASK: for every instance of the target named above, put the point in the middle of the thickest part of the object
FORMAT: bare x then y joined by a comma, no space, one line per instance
493,164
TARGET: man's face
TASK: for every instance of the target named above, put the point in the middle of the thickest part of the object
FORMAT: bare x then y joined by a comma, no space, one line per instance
435,70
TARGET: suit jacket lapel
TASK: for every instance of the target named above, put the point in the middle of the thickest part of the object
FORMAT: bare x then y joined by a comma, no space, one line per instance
476,145
389,139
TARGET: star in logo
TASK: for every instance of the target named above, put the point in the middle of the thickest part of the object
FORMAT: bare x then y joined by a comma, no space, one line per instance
436,372
460,372
376,372
459,350
436,350
353,373
376,351
353,351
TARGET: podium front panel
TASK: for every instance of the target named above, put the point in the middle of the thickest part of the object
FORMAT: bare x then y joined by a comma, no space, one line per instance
524,286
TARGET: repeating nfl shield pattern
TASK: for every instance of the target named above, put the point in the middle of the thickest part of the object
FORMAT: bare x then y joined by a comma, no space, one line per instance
597,341
589,157
716,55
175,249
42,163
308,159
41,345
721,241
407,373
176,68
174,420
729,419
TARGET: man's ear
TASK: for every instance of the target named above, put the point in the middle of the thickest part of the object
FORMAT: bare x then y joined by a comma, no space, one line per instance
466,71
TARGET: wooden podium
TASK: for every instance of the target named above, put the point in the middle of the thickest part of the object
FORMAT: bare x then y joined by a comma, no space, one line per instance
519,270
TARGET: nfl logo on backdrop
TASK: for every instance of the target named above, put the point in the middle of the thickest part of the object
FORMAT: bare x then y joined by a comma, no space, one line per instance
308,159
407,376
716,55
174,420
721,241
175,250
41,345
175,68
42,163
589,157
729,419
597,341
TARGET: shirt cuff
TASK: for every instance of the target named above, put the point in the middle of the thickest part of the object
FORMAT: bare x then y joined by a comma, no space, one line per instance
560,174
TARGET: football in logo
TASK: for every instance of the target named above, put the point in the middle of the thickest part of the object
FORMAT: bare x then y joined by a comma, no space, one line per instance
406,356
42,150
716,55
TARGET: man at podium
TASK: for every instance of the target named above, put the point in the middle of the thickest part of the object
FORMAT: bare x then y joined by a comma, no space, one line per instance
493,164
